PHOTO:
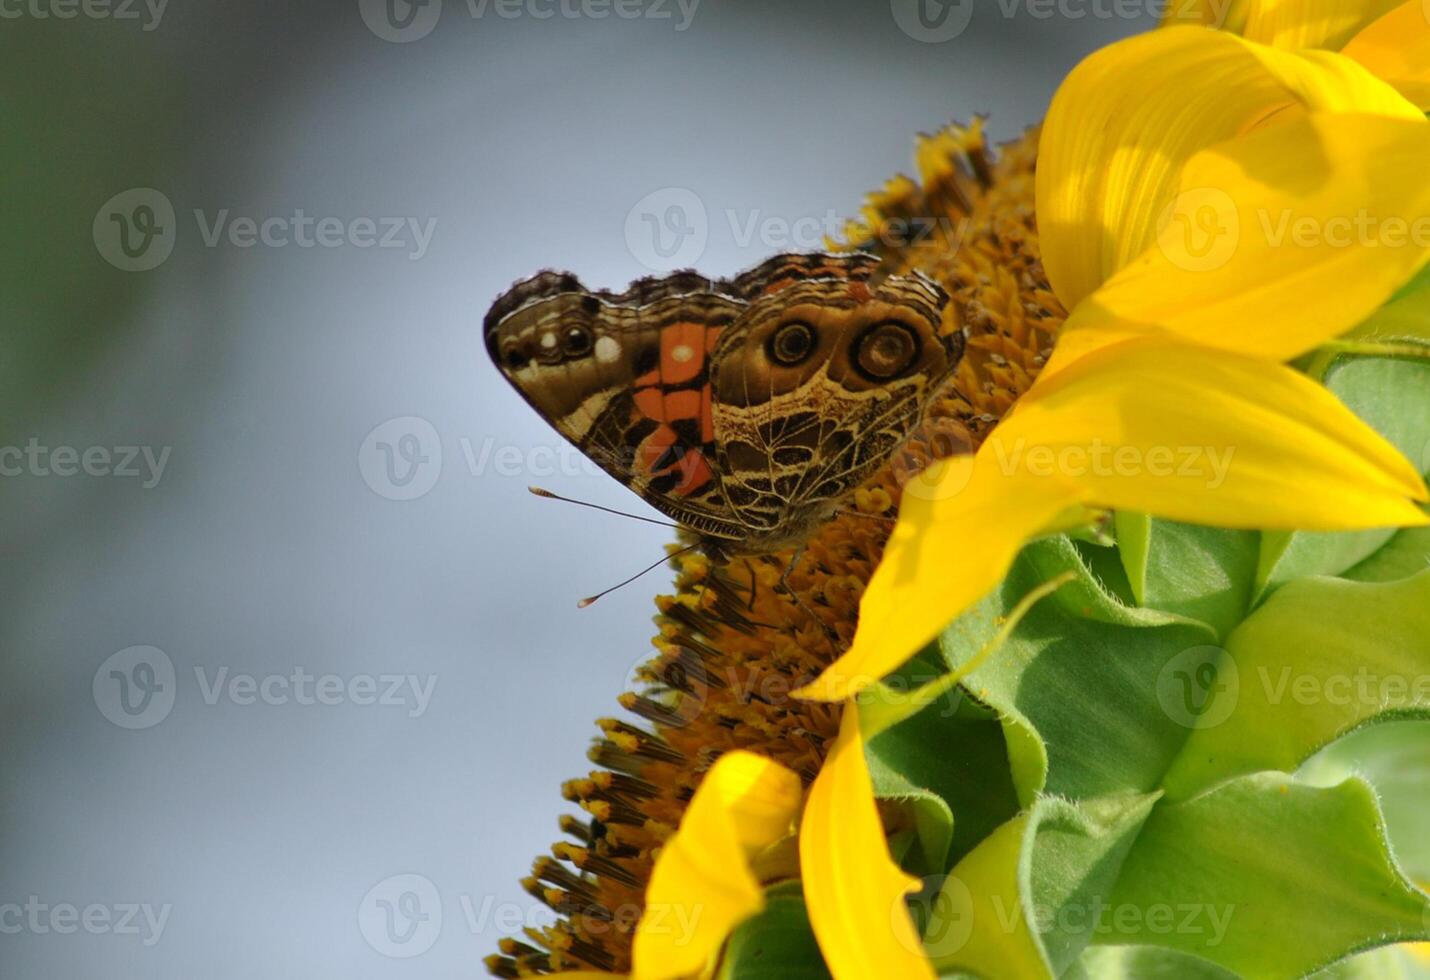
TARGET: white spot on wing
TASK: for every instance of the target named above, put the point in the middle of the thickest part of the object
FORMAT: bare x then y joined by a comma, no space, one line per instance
548,341
681,353
608,350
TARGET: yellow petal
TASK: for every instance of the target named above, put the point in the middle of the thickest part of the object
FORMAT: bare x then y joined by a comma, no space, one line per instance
960,526
1200,435
1397,48
1278,241
1282,23
1181,431
1126,120
702,886
853,889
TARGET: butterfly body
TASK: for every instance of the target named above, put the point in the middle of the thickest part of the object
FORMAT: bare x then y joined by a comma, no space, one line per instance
745,409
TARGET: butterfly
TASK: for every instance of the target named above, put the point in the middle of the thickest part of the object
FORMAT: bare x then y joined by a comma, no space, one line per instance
744,409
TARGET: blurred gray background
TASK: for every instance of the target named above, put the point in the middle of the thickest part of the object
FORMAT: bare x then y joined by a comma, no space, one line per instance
290,692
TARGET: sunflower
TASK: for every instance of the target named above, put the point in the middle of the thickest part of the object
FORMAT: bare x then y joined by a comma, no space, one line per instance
1140,279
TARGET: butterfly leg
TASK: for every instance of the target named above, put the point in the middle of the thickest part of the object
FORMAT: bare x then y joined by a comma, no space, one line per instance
790,566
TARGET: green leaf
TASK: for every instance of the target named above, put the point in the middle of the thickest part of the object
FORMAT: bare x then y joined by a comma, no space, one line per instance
1393,396
1395,759
1242,863
777,944
1026,900
1077,857
1321,658
1144,963
1201,573
912,767
1077,648
976,923
1406,554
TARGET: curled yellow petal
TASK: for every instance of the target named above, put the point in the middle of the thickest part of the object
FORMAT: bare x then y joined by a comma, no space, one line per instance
853,889
1224,15
1276,241
1397,48
960,525
702,886
1205,436
1126,120
1282,23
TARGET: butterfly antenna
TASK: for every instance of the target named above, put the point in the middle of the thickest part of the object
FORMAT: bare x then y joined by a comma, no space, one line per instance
542,492
674,554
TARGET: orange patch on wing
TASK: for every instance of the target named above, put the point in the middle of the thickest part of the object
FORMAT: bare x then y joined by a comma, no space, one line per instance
695,472
689,463
650,402
682,352
685,404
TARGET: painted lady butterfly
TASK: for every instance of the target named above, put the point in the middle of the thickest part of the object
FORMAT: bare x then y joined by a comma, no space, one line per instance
745,409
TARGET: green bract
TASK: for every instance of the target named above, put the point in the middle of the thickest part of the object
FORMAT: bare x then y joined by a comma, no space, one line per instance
1207,755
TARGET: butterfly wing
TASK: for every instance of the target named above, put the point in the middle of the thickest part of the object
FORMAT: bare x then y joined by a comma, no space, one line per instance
798,428
625,378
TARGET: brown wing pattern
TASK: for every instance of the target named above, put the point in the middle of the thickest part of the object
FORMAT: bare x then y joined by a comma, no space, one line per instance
742,408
